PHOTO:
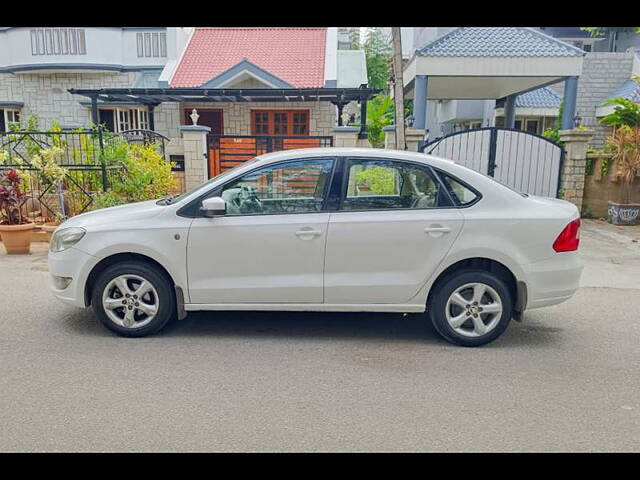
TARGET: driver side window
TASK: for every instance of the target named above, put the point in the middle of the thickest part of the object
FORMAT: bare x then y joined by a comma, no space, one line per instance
296,186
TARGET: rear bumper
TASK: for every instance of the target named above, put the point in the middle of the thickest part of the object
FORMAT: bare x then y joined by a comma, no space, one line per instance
553,280
75,264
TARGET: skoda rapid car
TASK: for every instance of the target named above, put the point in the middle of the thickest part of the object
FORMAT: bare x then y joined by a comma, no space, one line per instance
334,230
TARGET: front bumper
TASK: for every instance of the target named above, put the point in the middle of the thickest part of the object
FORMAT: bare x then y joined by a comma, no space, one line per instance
553,280
75,264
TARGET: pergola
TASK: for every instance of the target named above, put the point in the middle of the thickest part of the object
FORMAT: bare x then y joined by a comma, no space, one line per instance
487,63
153,97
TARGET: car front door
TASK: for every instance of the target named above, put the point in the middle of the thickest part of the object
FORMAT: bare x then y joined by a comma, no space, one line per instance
394,227
269,247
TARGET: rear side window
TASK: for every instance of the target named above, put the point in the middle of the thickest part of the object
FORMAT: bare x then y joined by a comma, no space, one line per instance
461,194
375,184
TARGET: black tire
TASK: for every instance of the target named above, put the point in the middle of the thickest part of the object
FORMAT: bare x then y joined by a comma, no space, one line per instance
446,287
162,284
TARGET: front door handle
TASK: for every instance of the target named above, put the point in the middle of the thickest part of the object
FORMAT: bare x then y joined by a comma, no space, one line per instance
436,230
308,233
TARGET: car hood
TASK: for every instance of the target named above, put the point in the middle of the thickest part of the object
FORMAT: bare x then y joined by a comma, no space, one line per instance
120,214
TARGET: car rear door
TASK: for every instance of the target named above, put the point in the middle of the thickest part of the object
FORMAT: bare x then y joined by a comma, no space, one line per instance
394,226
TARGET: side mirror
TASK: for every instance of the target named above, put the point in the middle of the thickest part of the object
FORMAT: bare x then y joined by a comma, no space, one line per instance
213,206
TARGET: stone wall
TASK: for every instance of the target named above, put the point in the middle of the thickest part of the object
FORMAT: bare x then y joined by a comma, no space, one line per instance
573,167
46,96
602,184
602,74
237,115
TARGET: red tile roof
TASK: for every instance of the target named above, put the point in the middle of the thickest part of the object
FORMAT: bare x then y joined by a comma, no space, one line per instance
296,55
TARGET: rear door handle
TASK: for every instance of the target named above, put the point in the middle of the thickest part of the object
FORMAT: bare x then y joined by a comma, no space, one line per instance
436,230
308,234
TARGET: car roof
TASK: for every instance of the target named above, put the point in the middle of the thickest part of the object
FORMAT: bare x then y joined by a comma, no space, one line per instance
353,152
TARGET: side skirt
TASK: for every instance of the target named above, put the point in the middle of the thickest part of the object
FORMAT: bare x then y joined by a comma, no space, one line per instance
307,307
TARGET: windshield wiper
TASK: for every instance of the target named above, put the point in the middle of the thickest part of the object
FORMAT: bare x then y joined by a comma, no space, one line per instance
167,200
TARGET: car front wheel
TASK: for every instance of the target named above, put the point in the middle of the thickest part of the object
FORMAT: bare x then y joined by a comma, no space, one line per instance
471,308
133,299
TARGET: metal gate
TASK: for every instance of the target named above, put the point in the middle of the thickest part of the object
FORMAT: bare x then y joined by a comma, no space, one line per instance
524,161
228,151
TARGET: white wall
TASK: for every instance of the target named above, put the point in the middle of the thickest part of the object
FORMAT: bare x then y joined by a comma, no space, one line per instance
104,46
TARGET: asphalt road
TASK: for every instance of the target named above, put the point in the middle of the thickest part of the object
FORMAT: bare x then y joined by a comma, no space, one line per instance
567,379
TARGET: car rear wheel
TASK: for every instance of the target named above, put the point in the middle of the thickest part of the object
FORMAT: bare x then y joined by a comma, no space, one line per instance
133,299
471,308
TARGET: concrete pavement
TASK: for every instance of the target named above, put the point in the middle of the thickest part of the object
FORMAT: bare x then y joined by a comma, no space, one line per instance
565,379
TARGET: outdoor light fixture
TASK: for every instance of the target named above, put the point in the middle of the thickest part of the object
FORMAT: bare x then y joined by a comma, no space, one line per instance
410,120
194,116
576,120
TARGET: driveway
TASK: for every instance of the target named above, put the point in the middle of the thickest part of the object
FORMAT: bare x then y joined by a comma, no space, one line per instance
564,379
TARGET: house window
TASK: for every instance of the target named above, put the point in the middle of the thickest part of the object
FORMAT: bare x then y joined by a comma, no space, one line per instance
151,44
121,118
280,122
58,41
532,126
9,118
300,123
261,123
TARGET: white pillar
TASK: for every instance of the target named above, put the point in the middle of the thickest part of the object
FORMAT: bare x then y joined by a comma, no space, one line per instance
196,160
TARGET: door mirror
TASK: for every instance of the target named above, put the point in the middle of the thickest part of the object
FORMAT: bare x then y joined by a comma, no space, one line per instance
213,206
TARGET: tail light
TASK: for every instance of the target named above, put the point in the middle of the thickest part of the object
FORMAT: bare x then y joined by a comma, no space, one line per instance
569,238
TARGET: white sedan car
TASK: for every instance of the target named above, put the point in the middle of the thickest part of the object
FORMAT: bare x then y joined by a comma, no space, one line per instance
333,230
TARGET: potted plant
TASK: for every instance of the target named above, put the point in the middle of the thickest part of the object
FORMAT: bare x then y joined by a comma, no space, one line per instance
625,147
49,227
15,230
624,144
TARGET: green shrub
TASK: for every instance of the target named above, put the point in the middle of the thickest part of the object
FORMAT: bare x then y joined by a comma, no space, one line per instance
146,176
107,199
380,180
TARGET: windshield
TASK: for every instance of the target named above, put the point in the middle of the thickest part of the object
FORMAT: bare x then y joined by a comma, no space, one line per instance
181,196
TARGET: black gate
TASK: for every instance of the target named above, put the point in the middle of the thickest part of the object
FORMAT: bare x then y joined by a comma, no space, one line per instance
524,161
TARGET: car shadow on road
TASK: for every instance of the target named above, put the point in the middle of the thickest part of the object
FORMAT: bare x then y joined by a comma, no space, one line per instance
389,327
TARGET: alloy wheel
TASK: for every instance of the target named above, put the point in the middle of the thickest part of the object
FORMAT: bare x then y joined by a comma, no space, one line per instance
130,301
474,309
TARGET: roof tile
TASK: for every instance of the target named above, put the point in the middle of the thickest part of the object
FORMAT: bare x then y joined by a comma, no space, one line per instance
498,42
629,90
296,55
540,98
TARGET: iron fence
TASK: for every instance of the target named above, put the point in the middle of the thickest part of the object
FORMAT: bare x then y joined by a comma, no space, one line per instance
89,163
145,137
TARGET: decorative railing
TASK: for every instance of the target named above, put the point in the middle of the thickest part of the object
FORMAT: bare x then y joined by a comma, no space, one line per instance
145,137
61,170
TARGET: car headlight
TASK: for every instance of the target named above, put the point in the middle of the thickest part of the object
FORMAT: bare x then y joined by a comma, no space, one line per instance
65,238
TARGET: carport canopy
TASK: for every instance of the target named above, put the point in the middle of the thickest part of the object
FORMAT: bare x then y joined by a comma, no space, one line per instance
491,63
155,96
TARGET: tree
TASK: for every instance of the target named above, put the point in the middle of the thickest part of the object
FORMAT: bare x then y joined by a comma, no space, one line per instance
354,38
597,31
377,51
379,115
611,31
398,90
